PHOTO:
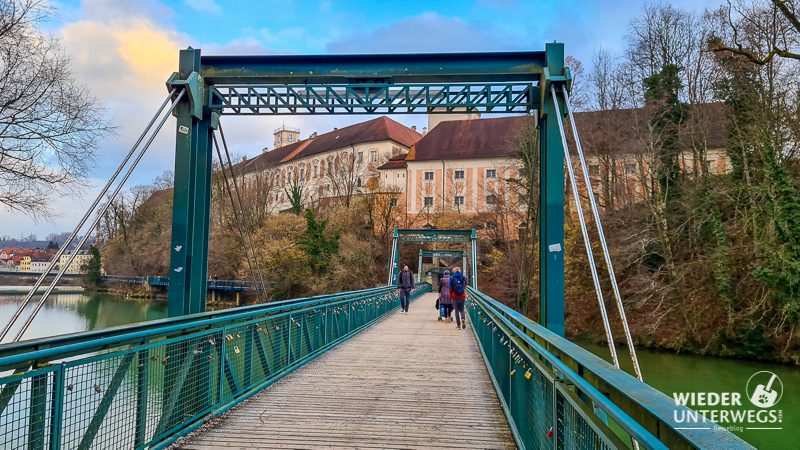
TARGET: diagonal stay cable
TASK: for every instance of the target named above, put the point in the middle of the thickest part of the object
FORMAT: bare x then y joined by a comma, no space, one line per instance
236,217
586,240
244,222
600,232
88,213
97,218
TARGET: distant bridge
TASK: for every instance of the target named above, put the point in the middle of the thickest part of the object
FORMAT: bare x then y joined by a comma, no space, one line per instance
25,274
218,285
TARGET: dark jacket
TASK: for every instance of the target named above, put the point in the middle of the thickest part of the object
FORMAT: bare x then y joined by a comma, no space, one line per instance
444,291
456,276
405,279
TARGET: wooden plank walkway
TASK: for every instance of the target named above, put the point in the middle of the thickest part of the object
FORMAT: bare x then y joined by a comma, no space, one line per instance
408,382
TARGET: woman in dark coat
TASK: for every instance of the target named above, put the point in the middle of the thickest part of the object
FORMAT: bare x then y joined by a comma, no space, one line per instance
445,304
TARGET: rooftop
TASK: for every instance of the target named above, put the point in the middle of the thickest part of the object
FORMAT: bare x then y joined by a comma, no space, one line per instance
464,139
375,130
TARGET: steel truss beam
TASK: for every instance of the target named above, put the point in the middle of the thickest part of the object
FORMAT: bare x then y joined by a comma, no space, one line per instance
374,99
395,68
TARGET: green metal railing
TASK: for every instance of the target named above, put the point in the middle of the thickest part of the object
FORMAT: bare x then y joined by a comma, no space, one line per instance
144,385
557,395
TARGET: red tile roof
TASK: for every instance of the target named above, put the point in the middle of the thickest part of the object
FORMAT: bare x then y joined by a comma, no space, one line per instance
375,130
274,157
625,130
463,139
395,162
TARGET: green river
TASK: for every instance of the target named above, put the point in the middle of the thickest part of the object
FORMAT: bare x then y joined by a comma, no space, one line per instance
668,372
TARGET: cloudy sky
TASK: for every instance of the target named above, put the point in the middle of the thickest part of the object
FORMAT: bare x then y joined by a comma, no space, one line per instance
125,50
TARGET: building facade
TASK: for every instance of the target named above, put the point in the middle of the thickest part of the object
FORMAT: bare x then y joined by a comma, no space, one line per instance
340,164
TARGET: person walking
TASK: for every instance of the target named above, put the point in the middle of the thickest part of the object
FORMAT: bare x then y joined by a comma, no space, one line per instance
445,304
458,294
405,281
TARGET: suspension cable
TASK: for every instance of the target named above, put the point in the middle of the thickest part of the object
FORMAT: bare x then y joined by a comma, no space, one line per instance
241,207
236,217
77,229
586,241
603,243
97,219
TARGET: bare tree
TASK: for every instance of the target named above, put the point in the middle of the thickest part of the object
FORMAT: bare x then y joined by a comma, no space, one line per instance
660,36
50,125
745,18
346,175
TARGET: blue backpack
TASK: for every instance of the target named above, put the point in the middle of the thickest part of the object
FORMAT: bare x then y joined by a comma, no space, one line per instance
458,285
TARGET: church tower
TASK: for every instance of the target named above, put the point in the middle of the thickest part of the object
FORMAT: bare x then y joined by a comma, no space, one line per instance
285,136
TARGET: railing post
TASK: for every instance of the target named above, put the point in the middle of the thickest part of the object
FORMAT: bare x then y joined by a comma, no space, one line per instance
141,398
57,406
248,356
289,342
325,326
221,353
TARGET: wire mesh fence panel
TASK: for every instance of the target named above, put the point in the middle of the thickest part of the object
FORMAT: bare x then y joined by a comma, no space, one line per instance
540,415
574,431
26,408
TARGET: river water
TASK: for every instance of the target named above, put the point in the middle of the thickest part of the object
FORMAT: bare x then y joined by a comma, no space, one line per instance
668,372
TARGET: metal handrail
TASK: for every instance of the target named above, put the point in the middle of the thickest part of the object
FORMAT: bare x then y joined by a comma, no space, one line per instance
617,393
14,354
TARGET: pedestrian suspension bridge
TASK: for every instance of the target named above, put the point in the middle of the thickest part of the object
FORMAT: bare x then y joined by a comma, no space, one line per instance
341,370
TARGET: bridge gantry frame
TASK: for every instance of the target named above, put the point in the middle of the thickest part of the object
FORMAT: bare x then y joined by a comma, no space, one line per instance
433,83
146,385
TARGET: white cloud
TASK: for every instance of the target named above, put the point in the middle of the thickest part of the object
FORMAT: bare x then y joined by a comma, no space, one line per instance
427,32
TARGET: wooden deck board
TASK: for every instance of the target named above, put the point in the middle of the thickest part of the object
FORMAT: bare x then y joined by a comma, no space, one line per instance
408,382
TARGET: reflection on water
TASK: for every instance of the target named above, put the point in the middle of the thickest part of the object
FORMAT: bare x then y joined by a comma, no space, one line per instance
69,313
671,372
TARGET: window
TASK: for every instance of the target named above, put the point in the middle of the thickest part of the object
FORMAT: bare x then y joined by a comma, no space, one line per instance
428,176
491,173
399,175
394,202
316,171
459,175
387,176
358,182
459,200
428,201
360,157
630,169
711,166
491,199
302,174
373,156
594,170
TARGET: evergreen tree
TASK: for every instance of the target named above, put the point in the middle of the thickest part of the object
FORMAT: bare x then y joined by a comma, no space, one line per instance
93,269
319,248
661,91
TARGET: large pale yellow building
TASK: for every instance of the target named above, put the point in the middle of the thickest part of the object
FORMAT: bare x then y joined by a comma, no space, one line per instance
337,164
81,259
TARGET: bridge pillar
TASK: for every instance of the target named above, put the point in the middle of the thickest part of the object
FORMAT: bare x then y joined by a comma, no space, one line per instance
551,201
192,193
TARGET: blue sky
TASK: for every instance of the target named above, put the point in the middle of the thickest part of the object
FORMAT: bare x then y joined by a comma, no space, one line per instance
125,50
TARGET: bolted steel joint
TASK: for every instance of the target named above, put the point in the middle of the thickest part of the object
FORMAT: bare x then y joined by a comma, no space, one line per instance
194,87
